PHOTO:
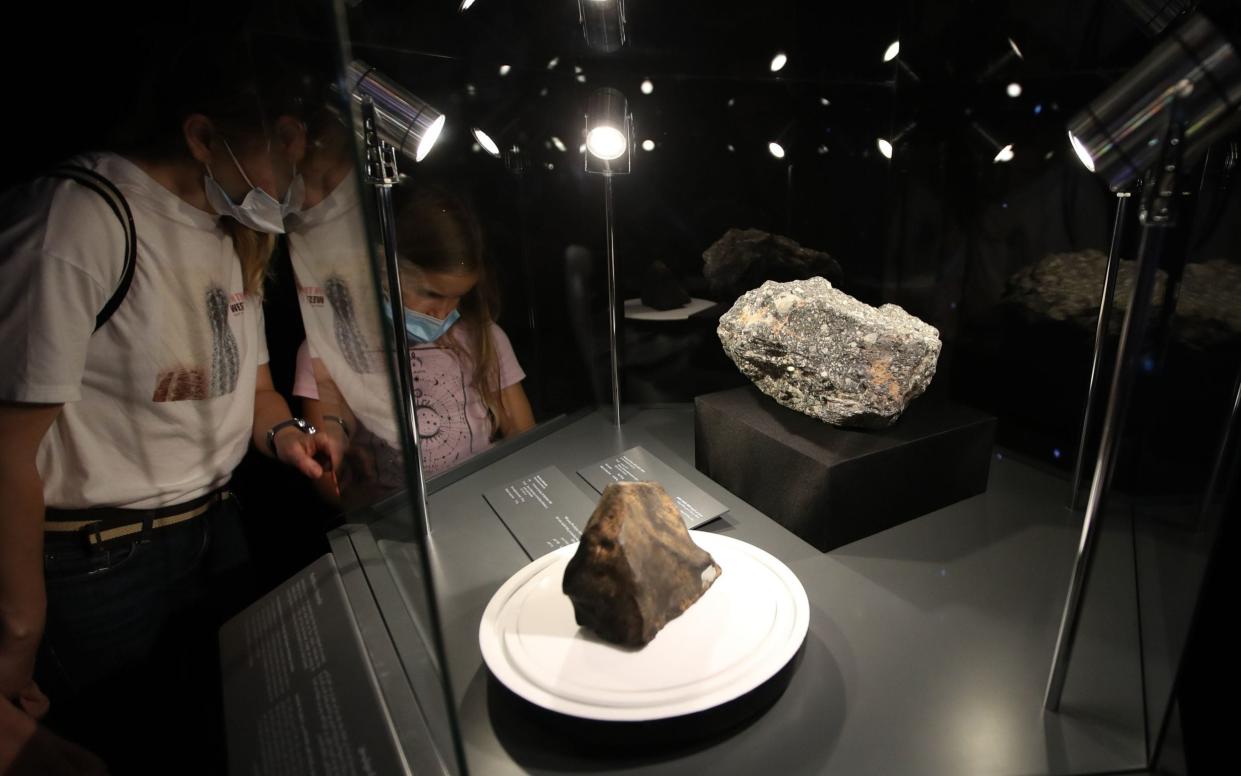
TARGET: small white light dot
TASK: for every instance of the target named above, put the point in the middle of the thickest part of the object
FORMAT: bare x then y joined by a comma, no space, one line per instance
824,101
582,148
779,61
475,147
776,149
648,145
731,148
577,68
647,87
543,92
551,166
792,369
581,79
732,101
551,63
885,147
504,69
558,143
469,89
822,150
1005,154
1013,90
893,51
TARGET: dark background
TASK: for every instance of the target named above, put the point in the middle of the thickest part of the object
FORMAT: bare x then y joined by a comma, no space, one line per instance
940,229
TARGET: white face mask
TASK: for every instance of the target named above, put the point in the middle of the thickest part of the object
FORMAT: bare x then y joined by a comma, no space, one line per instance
259,210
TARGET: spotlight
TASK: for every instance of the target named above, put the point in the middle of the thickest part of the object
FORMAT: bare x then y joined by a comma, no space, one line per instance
888,146
776,149
603,23
1195,70
1013,90
404,120
560,146
1003,152
486,142
648,145
647,87
551,63
609,128
779,61
894,50
465,5
504,69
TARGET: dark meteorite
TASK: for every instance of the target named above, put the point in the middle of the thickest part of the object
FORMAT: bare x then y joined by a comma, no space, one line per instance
636,568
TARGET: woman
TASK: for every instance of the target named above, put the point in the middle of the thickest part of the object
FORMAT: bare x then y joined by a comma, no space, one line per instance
467,382
117,533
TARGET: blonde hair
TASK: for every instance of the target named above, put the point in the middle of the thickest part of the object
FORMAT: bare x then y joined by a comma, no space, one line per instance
254,250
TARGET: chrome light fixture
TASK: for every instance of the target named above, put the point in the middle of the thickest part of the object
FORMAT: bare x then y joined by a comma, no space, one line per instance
1117,135
603,23
609,133
405,121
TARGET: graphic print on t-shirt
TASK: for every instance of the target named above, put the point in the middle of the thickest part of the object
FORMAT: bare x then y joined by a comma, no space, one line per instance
196,382
439,396
345,325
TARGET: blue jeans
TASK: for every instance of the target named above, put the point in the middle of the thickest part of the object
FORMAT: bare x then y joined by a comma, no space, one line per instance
129,656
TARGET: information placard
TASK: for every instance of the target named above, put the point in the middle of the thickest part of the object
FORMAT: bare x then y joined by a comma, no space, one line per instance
544,511
637,464
299,697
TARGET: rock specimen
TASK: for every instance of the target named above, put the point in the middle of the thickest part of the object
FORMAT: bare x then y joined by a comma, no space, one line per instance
636,568
660,289
817,350
743,258
1068,287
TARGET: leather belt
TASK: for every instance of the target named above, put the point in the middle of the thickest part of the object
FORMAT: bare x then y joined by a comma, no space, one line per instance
108,524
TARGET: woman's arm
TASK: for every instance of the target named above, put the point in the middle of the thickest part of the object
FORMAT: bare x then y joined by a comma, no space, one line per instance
293,447
23,600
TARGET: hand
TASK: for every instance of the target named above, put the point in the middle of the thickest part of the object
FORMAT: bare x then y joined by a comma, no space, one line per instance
29,749
16,682
311,454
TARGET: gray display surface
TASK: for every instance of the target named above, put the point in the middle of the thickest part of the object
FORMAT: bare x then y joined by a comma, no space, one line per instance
544,511
928,650
299,692
638,465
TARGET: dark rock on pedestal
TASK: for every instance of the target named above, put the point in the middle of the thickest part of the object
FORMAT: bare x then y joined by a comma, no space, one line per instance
660,288
744,258
636,567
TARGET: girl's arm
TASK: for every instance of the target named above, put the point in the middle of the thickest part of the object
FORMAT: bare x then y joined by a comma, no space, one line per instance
518,416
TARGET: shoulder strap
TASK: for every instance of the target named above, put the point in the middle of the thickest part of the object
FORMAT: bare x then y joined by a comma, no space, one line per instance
116,201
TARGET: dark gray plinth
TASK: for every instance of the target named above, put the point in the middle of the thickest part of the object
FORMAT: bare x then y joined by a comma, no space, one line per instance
832,486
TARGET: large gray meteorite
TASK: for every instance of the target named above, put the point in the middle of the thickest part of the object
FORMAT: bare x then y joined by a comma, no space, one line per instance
636,568
817,350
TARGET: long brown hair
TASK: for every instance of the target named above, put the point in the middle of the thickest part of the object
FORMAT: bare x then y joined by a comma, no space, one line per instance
438,232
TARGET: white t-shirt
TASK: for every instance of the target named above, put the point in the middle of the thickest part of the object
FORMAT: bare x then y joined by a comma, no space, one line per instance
328,250
159,403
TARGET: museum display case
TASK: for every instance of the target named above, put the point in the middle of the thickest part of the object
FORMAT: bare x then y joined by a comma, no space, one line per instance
948,393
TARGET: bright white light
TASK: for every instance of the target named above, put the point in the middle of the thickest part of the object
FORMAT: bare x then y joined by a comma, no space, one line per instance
732,101
582,148
465,5
1013,90
648,145
824,101
885,147
647,87
551,166
1013,45
607,143
486,142
581,79
504,69
551,63
1082,153
893,51
475,147
1005,154
776,149
577,68
428,140
731,148
822,150
558,143
779,61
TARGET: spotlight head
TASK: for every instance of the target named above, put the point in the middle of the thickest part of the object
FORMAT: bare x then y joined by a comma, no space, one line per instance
404,120
893,51
885,147
609,132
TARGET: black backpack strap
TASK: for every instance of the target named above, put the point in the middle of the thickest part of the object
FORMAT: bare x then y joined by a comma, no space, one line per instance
116,201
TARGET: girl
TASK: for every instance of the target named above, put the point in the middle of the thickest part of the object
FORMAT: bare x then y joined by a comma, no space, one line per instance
467,382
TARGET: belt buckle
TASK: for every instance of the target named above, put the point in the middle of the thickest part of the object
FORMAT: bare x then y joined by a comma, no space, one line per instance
92,534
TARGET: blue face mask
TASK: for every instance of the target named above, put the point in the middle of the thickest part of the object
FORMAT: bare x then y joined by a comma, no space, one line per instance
424,328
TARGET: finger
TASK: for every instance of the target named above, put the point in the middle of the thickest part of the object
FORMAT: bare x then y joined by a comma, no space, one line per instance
34,702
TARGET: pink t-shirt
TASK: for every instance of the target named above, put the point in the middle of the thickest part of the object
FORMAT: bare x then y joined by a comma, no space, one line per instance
452,419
